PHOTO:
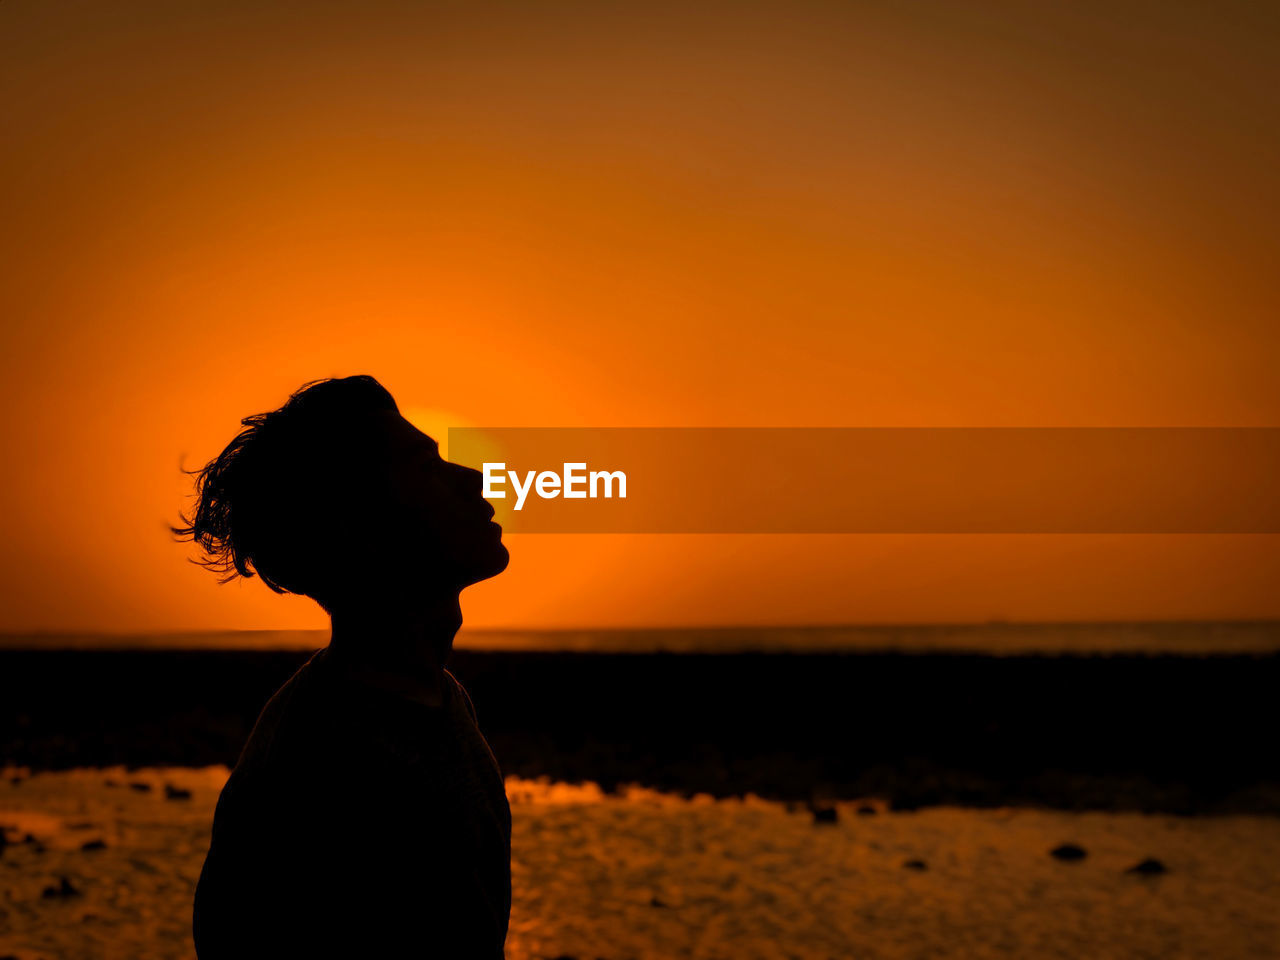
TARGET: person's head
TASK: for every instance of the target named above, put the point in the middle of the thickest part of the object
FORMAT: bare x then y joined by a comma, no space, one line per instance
336,496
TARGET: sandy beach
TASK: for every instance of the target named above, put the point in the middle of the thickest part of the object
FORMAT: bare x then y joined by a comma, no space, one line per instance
660,813
101,864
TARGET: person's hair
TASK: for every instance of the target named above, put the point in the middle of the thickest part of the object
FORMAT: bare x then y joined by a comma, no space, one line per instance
283,497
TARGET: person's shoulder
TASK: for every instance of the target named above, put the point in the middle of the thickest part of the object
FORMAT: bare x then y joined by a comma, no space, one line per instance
294,713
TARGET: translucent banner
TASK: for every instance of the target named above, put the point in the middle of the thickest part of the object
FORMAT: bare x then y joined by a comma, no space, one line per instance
877,480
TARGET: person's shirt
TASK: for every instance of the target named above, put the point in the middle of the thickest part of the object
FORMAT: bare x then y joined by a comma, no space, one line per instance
358,823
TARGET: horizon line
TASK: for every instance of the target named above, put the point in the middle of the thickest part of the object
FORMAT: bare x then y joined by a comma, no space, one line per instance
862,625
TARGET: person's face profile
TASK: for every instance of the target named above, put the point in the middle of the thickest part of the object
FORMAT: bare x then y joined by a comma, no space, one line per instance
436,521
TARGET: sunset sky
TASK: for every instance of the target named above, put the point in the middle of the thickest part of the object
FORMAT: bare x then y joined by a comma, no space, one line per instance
579,214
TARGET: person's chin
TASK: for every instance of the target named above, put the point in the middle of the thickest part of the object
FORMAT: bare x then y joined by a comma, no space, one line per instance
490,563
501,558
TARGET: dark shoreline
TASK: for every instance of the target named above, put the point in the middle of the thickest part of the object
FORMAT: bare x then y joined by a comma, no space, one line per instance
1152,733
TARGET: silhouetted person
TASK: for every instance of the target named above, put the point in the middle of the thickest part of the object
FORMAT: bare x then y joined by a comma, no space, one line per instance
366,816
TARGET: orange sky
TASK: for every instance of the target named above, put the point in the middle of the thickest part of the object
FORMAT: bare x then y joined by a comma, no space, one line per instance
598,214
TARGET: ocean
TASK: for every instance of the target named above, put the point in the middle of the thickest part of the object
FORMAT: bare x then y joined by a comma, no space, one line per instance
1191,638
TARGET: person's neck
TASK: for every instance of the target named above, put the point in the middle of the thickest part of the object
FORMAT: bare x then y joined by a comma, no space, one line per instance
399,647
